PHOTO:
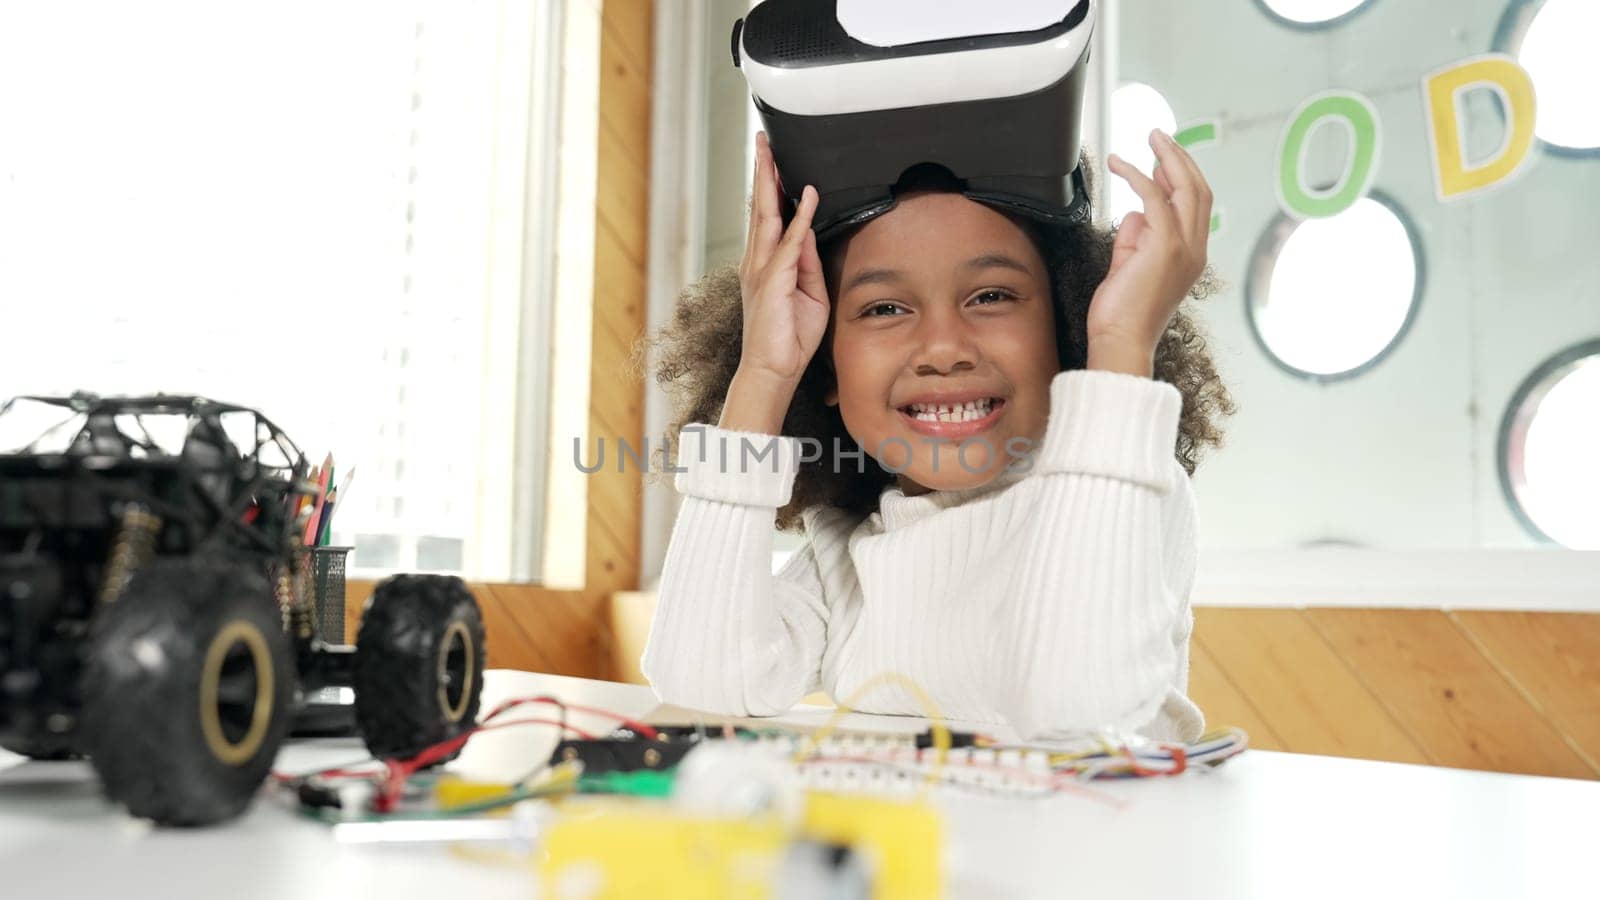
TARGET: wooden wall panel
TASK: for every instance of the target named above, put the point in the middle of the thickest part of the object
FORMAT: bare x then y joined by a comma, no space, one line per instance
1553,659
628,24
1370,683
1461,711
624,200
1223,704
1300,686
554,631
621,252
624,291
627,115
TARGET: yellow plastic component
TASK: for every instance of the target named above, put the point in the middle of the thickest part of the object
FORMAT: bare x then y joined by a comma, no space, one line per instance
451,791
901,840
608,849
638,851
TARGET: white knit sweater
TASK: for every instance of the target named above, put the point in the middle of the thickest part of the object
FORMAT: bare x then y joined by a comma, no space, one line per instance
1054,599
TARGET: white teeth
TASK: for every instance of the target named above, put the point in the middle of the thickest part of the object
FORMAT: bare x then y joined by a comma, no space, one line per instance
970,411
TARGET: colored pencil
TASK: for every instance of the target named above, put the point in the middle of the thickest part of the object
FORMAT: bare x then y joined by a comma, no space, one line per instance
322,496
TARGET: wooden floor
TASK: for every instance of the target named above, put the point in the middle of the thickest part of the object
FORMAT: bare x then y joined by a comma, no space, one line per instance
1500,691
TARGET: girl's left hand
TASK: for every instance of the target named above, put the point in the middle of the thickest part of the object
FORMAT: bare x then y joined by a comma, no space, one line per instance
1157,257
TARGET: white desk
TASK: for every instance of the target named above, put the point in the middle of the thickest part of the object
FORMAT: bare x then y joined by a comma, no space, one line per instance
1264,825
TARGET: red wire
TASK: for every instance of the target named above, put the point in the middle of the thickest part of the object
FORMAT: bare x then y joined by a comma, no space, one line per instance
434,752
580,732
445,748
1179,761
398,771
644,730
392,780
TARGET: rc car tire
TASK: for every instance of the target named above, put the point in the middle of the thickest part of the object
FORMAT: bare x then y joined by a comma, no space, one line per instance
419,664
187,691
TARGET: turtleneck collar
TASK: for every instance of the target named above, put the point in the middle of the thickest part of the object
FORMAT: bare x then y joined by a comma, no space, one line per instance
896,510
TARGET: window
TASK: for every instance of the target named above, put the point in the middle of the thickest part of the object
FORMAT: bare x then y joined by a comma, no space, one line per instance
302,210
1314,309
1554,41
1136,109
1312,12
1547,449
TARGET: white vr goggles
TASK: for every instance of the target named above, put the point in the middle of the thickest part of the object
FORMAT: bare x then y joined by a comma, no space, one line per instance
854,93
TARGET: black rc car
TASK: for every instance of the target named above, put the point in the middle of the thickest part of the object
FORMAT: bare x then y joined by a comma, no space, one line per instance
156,613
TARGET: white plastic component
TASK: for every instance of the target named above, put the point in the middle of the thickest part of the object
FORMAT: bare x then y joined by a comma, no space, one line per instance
921,80
891,23
728,779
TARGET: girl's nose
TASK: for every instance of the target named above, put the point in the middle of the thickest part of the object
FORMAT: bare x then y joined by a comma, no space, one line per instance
945,345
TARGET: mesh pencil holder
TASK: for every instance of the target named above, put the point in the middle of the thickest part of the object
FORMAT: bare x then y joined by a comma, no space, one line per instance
327,591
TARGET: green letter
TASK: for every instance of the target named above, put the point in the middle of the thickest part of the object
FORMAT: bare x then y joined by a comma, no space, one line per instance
1202,134
1359,119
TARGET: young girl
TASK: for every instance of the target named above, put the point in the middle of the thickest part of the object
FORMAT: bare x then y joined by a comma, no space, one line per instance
990,458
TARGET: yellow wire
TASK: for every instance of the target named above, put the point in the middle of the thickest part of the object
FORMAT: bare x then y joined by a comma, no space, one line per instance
553,780
941,734
490,856
1221,731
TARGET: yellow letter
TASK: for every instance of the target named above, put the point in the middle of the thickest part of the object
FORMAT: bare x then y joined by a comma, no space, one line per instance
1442,91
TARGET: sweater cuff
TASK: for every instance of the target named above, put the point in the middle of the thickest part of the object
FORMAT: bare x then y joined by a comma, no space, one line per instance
739,467
1114,425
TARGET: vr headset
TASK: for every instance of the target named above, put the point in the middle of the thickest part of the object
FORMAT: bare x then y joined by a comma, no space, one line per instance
854,93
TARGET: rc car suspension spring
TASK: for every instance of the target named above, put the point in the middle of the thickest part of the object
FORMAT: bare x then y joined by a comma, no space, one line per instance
294,598
133,546
283,587
304,628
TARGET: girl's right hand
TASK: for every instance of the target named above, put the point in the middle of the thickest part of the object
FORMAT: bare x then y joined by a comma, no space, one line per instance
780,280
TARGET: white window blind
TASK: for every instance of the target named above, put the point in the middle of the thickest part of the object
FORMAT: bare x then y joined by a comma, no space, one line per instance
319,210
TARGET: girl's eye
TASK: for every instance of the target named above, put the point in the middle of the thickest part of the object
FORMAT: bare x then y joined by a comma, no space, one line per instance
997,296
873,310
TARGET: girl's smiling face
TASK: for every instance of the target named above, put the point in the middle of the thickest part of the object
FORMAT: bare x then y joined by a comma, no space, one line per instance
943,335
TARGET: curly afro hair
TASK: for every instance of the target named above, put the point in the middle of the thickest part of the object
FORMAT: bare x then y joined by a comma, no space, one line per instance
698,353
